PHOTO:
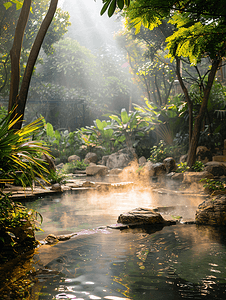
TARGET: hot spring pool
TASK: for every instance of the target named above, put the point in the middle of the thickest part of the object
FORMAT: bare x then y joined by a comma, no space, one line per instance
175,262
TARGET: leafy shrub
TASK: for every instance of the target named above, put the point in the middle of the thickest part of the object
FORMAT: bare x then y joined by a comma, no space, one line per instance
182,167
212,185
158,153
73,166
17,226
20,157
198,166
55,177
162,151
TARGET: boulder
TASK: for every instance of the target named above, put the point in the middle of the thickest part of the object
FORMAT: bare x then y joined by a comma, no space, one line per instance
216,168
121,159
190,177
159,169
170,164
203,154
177,176
103,161
142,160
93,170
141,216
73,158
212,211
90,157
60,166
115,171
149,169
56,187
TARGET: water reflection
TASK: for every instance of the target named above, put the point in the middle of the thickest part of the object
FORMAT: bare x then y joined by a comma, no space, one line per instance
175,262
178,262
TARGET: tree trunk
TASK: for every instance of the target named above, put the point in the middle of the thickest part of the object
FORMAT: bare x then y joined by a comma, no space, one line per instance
21,99
198,120
187,98
15,54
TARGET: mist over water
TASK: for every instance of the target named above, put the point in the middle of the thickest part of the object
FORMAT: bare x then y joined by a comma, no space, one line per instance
175,262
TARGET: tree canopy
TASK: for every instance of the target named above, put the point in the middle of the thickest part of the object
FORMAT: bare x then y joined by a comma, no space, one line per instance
199,30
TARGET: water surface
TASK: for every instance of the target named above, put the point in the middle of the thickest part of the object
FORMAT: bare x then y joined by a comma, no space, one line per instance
174,262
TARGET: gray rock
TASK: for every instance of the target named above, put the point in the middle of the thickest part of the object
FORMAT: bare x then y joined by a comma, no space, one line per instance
56,187
142,160
121,159
170,164
91,157
203,154
159,169
216,168
212,211
149,169
93,170
190,177
103,161
60,166
115,171
141,216
177,176
73,158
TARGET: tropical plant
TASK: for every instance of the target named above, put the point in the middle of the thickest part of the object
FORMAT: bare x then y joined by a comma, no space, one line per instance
212,185
131,126
182,167
56,177
158,153
198,166
103,135
19,154
61,143
162,150
3,113
71,167
17,226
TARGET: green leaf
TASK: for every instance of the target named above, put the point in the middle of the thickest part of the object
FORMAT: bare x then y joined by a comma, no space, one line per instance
120,3
57,135
127,2
124,116
100,125
7,5
49,130
116,118
104,8
112,8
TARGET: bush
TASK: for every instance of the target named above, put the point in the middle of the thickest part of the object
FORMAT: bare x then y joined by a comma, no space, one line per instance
182,167
212,185
73,166
162,151
55,177
17,226
198,166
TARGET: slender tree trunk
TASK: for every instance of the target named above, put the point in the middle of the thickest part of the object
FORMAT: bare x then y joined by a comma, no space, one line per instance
158,91
21,99
187,98
15,53
198,120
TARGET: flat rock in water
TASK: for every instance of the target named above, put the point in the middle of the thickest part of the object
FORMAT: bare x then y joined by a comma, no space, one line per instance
141,216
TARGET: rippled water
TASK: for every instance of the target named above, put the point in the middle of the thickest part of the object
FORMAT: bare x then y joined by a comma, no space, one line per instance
174,262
